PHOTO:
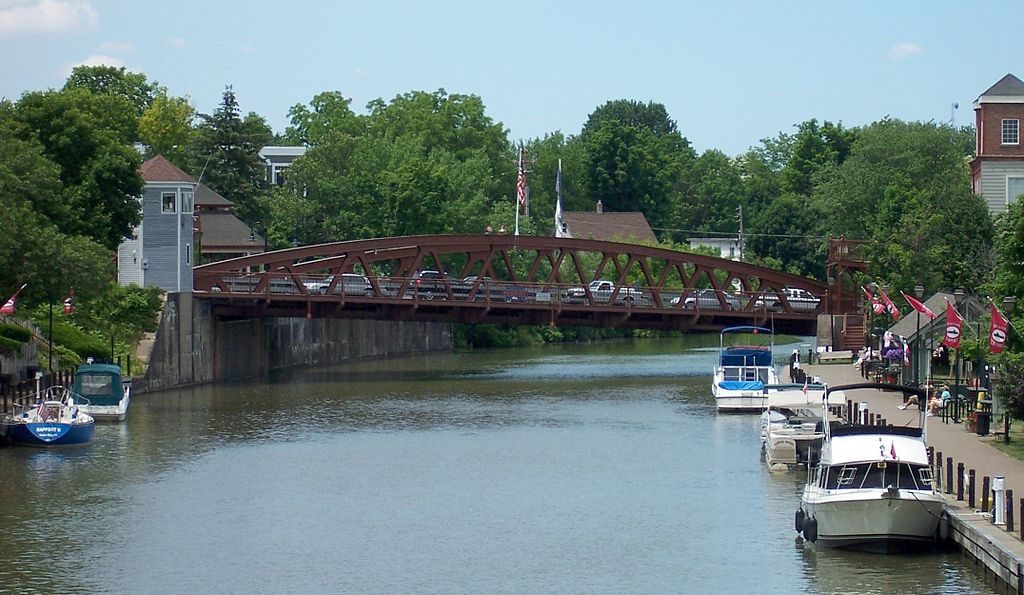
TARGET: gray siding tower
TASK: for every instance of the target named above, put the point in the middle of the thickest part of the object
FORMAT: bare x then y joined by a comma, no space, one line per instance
160,252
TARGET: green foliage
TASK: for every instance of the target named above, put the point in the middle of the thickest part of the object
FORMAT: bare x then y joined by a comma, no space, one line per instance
70,335
9,346
712,204
225,147
906,188
63,358
468,336
15,332
124,311
779,231
166,126
1010,385
133,87
814,147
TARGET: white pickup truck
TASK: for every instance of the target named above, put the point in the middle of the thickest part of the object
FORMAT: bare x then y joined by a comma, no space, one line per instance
602,292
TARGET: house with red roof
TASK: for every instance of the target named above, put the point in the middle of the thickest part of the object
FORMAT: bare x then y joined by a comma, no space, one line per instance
162,249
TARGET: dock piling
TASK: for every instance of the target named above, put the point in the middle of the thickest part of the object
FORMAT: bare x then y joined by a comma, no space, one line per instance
970,490
984,493
937,474
960,482
1009,510
949,475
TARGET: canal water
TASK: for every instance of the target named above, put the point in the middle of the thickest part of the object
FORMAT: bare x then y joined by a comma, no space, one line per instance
569,468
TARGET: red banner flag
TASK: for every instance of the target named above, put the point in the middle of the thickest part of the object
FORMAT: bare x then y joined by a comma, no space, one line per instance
11,304
69,302
954,327
919,306
891,307
876,306
997,333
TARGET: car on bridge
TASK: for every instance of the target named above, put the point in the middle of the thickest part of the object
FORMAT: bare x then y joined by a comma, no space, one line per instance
488,288
602,292
350,284
707,299
429,284
799,300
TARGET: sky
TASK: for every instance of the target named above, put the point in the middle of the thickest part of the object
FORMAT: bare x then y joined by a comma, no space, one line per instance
730,73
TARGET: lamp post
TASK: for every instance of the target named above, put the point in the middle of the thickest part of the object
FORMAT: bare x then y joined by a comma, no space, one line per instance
958,298
919,292
831,314
1009,302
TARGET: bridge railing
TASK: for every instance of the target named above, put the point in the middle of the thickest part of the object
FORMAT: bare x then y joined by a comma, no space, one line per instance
490,292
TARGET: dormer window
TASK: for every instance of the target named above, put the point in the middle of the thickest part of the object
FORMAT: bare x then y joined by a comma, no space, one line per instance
1011,132
169,202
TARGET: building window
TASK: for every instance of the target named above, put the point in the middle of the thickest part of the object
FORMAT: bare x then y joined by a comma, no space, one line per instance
188,253
1011,132
1014,188
169,202
187,201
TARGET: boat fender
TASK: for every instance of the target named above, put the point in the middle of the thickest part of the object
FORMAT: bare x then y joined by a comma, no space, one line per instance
942,530
799,520
811,529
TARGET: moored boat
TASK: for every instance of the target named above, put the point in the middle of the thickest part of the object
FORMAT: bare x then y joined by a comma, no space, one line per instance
743,371
792,426
103,393
53,418
872,488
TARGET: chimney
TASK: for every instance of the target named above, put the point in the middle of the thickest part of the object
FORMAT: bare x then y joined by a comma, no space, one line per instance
600,207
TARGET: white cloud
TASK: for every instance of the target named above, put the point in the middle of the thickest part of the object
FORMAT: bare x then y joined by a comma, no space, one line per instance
94,60
904,49
248,49
45,16
117,47
178,42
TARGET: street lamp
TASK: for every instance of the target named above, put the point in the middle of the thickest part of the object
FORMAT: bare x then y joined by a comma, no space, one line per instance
1009,302
958,297
831,314
919,292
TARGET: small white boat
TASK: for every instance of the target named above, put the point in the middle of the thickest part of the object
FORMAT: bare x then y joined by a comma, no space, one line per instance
872,488
743,371
792,427
102,392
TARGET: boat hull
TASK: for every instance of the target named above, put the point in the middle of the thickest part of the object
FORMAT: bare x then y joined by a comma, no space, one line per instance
792,448
876,521
49,433
110,413
738,401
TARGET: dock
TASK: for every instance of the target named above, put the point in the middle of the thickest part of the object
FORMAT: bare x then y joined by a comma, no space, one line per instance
999,549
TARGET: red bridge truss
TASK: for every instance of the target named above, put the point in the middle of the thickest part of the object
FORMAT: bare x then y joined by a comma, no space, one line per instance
516,280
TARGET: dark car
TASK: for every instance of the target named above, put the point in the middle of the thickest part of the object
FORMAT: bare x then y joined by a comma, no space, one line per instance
429,284
486,289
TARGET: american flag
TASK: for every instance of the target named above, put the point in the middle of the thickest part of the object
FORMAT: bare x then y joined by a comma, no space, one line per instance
521,181
44,412
892,449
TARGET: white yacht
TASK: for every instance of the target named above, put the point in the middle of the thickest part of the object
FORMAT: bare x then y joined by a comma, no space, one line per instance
792,426
743,371
872,488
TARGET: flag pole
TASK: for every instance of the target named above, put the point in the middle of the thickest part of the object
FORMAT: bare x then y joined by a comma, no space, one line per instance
50,369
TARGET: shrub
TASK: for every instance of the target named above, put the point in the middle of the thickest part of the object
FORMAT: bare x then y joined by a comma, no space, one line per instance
78,341
9,346
13,331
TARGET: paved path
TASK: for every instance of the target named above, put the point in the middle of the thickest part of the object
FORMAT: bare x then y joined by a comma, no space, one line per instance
953,440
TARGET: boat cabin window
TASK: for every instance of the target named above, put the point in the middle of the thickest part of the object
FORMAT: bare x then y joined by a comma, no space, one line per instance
96,384
879,475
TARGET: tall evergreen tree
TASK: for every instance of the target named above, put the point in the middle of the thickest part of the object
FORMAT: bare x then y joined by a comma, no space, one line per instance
225,155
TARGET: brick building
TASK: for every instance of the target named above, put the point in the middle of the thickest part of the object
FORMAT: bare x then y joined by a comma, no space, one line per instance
997,173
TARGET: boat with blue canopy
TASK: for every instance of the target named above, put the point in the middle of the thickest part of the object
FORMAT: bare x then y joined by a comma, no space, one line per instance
103,392
743,370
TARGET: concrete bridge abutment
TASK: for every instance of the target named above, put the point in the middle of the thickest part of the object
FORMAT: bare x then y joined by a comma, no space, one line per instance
194,346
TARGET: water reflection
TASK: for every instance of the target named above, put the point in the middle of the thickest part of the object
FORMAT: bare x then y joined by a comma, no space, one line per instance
565,468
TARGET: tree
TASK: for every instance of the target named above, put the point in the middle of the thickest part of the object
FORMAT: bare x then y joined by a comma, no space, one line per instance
85,135
906,188
165,127
117,81
713,202
225,148
784,231
814,147
636,159
328,113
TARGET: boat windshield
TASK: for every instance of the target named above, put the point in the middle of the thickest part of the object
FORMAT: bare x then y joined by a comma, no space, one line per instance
880,475
751,374
96,384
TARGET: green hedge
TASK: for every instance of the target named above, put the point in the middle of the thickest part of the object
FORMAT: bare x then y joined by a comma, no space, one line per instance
77,340
9,346
13,331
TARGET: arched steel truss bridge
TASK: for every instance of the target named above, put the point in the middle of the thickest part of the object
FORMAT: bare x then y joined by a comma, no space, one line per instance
506,279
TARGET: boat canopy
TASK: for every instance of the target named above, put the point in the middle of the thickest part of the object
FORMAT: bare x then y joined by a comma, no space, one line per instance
99,384
792,396
746,356
747,329
876,447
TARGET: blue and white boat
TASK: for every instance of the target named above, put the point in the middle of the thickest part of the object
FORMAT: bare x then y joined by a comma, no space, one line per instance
53,418
102,392
743,370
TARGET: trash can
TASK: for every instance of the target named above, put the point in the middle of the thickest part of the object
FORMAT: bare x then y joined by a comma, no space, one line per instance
982,423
